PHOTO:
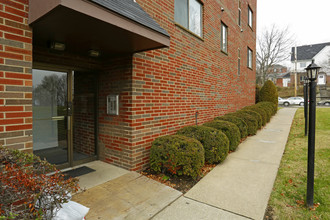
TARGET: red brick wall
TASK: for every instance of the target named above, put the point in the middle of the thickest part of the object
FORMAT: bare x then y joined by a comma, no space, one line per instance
115,131
160,91
299,82
84,112
15,75
170,85
279,82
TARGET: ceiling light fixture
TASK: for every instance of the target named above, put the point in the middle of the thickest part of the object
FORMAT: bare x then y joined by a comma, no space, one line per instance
94,53
57,46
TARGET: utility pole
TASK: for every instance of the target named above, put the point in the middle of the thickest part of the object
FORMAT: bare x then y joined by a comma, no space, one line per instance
295,71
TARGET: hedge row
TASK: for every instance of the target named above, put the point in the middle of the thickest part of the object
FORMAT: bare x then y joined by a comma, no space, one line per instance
185,152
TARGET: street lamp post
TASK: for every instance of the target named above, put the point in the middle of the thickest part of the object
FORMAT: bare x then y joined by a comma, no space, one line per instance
306,103
312,72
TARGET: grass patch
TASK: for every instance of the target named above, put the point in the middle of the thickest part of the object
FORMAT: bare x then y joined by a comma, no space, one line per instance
288,198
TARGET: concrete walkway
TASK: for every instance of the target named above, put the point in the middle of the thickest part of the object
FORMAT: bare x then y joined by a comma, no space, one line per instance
131,196
239,188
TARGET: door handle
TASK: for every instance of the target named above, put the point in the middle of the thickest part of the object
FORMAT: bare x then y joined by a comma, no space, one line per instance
58,118
69,123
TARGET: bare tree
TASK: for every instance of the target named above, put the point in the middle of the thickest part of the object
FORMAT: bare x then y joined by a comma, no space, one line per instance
273,47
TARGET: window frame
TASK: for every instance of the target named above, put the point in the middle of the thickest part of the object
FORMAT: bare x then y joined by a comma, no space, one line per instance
239,13
250,17
249,58
239,62
188,19
224,50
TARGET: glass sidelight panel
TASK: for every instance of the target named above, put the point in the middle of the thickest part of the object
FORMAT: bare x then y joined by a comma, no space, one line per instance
50,121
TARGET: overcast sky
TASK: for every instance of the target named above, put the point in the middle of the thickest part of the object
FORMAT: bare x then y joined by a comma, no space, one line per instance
308,20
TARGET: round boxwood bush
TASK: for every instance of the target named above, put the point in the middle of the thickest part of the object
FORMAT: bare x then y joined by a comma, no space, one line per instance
266,109
242,126
261,111
215,143
256,115
230,130
269,105
177,154
268,93
252,123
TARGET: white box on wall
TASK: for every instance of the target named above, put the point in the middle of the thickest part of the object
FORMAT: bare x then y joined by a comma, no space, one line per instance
113,104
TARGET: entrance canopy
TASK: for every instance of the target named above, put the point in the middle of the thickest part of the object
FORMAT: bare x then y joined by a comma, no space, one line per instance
110,27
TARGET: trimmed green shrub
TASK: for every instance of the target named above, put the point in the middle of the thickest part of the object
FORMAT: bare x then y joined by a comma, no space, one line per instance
257,94
271,106
261,111
268,93
255,114
242,126
177,154
215,143
230,130
252,123
267,109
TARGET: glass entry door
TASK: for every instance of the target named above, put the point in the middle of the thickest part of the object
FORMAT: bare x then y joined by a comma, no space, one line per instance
64,116
51,116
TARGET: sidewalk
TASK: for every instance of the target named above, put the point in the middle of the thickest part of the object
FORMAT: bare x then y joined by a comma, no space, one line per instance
239,188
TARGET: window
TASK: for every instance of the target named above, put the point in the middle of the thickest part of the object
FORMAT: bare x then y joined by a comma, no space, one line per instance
303,64
249,58
224,38
239,62
239,12
188,13
250,17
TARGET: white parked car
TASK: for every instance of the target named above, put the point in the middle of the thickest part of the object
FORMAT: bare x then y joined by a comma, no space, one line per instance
280,101
324,102
293,101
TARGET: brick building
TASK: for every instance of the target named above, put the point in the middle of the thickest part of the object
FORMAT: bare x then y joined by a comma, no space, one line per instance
101,79
277,69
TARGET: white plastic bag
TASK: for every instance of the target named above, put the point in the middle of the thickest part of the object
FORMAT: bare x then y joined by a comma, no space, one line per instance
71,211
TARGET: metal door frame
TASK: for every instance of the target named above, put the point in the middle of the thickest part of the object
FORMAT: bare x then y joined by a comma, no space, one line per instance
70,121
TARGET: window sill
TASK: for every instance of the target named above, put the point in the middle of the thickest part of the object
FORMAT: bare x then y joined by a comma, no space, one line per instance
224,52
190,32
250,27
240,28
250,68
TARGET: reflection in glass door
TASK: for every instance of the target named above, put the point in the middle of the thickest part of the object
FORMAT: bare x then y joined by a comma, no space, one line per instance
50,115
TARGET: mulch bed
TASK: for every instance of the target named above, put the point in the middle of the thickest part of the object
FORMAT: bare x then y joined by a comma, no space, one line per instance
180,183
